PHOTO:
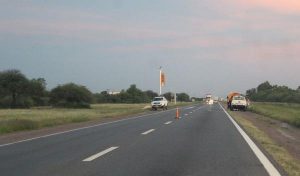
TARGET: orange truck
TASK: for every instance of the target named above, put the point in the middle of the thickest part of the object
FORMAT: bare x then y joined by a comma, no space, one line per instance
237,101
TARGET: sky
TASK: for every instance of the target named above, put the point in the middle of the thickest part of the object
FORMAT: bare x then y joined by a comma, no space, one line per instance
203,46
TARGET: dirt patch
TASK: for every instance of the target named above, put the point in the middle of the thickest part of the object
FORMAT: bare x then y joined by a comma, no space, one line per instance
281,133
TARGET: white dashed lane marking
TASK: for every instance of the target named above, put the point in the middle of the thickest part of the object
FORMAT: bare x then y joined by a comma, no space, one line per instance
169,122
93,157
149,131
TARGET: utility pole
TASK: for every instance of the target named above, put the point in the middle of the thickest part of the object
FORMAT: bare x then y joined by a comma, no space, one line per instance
175,98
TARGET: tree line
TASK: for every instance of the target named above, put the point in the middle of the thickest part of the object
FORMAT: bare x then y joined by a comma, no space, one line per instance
265,92
17,91
135,95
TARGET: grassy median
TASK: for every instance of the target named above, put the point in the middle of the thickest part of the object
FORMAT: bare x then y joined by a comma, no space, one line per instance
12,120
281,155
286,112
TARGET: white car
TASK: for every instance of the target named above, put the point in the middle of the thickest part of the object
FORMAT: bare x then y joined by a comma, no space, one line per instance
159,102
239,102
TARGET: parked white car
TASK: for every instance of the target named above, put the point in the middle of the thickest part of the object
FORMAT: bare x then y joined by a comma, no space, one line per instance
239,102
159,102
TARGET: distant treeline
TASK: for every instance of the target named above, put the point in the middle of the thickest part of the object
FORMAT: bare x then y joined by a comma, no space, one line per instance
266,92
135,95
17,91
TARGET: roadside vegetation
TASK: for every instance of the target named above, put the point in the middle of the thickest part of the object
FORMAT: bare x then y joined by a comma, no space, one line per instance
17,91
266,92
285,112
26,104
37,118
280,155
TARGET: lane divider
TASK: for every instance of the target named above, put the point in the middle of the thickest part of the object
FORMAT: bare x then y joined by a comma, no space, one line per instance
169,122
83,128
93,157
272,171
149,131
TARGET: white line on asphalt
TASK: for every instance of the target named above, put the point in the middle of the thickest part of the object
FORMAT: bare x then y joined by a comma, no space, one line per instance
93,157
147,132
82,128
259,154
169,122
190,107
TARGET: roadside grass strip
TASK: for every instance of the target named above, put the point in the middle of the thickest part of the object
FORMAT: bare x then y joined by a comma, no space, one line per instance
93,157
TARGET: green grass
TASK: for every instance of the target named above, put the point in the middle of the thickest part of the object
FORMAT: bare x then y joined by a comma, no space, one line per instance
281,155
289,113
12,120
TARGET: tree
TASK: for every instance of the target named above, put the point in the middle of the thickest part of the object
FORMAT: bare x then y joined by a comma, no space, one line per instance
183,97
168,96
151,94
250,92
37,91
264,86
14,84
135,95
71,96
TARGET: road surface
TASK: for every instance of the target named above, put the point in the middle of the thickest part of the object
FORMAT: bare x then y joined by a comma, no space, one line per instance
204,141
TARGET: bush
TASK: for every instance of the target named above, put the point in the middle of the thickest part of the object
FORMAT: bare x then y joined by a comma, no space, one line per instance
71,96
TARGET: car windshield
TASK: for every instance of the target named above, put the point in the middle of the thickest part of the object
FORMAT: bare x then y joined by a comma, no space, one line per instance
239,98
158,99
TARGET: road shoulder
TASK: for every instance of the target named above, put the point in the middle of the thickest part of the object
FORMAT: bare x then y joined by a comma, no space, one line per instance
279,140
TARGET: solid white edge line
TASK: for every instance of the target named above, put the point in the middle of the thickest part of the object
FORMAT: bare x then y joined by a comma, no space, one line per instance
272,171
82,128
169,122
93,157
147,132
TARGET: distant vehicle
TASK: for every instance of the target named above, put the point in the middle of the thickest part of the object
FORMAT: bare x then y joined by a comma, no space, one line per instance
210,102
159,102
216,99
238,102
207,98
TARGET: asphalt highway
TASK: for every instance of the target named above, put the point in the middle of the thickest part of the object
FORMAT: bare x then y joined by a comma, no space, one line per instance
204,141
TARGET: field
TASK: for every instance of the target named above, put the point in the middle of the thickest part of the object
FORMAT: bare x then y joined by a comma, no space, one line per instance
12,120
289,113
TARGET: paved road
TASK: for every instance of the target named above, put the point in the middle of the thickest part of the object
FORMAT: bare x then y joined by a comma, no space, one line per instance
203,142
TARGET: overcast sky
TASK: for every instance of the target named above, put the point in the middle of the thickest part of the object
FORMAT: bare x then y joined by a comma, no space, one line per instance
204,46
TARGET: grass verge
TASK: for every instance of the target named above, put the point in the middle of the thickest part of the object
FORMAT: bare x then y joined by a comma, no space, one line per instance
12,120
285,112
280,155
